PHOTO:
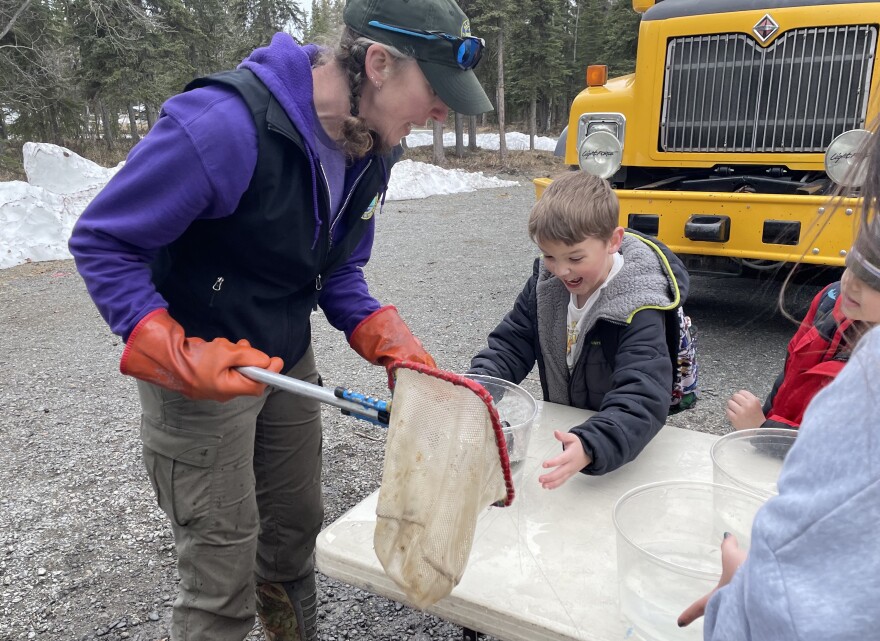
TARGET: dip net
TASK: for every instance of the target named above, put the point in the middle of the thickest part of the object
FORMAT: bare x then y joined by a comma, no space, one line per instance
445,462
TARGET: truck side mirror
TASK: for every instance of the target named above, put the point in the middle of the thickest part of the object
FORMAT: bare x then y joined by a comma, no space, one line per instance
640,6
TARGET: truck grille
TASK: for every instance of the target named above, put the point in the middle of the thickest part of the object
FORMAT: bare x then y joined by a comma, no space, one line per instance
724,93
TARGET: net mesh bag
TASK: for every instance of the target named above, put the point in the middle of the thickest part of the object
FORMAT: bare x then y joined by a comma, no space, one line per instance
445,462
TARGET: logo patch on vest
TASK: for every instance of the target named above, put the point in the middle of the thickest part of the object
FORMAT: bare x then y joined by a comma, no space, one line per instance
371,208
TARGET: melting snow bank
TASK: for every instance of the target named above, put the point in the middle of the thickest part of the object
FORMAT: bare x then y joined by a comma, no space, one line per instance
411,180
515,140
36,217
34,224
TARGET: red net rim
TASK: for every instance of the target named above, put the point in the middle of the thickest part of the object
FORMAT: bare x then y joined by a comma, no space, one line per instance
486,397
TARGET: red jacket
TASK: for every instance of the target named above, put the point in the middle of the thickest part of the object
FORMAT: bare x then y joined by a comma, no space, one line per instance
816,355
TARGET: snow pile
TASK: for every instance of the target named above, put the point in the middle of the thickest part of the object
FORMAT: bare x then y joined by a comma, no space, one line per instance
36,217
411,180
61,171
34,224
515,140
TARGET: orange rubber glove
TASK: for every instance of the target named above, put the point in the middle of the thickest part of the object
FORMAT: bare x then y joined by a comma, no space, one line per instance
157,351
383,338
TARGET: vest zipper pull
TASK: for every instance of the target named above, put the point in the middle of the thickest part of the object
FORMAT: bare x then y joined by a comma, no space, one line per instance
318,286
217,286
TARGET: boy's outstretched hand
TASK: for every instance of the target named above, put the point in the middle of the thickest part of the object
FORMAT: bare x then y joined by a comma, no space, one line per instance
731,558
572,460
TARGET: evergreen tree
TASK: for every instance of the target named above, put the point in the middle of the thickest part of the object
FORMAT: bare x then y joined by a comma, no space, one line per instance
589,40
326,19
173,54
209,33
115,44
36,67
489,19
67,66
537,66
621,37
259,20
484,17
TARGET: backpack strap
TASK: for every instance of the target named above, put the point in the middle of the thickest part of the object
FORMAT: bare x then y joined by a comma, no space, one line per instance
831,324
824,319
673,337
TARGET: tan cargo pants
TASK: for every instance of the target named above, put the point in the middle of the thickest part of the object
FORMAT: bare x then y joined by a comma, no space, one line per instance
241,483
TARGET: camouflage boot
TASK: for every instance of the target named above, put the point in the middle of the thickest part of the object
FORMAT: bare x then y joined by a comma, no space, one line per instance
289,611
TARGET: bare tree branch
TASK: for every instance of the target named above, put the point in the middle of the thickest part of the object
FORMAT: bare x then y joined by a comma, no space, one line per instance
21,10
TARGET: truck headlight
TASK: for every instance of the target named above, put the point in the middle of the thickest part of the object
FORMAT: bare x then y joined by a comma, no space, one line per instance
604,125
601,136
843,158
600,153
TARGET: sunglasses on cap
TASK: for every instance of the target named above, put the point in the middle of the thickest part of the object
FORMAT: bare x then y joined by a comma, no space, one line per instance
468,50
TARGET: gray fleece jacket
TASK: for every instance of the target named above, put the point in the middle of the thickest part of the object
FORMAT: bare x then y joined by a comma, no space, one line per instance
813,571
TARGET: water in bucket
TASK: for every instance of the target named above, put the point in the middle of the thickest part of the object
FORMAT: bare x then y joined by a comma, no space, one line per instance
516,409
668,550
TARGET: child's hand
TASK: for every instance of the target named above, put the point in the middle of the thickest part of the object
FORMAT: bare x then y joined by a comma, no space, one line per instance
744,411
572,460
731,558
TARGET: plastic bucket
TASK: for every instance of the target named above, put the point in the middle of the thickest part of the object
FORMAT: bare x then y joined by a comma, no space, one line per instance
668,550
516,409
752,459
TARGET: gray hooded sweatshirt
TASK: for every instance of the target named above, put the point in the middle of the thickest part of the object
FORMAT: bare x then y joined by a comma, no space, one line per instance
813,571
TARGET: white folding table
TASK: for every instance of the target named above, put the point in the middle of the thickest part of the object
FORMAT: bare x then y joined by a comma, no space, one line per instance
543,569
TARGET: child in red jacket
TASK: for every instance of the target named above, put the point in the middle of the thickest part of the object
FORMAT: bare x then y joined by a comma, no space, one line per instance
816,354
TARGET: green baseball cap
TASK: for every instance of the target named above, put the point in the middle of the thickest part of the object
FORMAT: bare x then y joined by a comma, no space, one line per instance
437,34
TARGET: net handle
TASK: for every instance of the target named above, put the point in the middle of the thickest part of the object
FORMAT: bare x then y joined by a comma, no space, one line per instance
366,409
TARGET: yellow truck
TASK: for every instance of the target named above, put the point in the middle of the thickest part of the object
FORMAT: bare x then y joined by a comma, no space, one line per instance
742,119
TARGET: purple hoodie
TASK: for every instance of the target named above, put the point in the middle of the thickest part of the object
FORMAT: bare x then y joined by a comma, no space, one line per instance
196,163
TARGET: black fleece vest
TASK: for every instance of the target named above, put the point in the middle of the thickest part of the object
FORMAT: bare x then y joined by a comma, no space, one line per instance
255,274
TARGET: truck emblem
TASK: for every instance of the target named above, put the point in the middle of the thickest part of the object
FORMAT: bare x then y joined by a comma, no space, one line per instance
765,28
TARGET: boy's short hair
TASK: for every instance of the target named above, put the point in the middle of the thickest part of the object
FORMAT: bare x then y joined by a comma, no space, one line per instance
575,206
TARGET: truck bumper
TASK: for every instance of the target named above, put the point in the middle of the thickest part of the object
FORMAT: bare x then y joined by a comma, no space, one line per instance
799,229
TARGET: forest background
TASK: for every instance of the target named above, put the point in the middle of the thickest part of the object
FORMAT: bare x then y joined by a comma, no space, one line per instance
91,75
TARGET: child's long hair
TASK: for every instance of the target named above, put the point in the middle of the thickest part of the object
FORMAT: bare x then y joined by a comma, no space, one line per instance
865,252
864,258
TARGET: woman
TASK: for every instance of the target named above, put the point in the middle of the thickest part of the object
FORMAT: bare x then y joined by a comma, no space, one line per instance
251,202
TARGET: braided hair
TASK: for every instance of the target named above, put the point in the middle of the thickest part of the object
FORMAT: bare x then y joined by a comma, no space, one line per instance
350,54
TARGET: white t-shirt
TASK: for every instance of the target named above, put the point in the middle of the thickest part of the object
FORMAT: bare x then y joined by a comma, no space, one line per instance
576,314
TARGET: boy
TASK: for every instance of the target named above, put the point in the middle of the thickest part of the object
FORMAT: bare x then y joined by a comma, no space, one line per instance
592,316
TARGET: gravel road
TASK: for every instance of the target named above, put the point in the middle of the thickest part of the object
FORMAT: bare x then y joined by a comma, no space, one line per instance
86,554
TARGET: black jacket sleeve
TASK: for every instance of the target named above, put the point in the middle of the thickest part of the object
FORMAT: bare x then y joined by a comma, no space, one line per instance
637,405
511,351
768,404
